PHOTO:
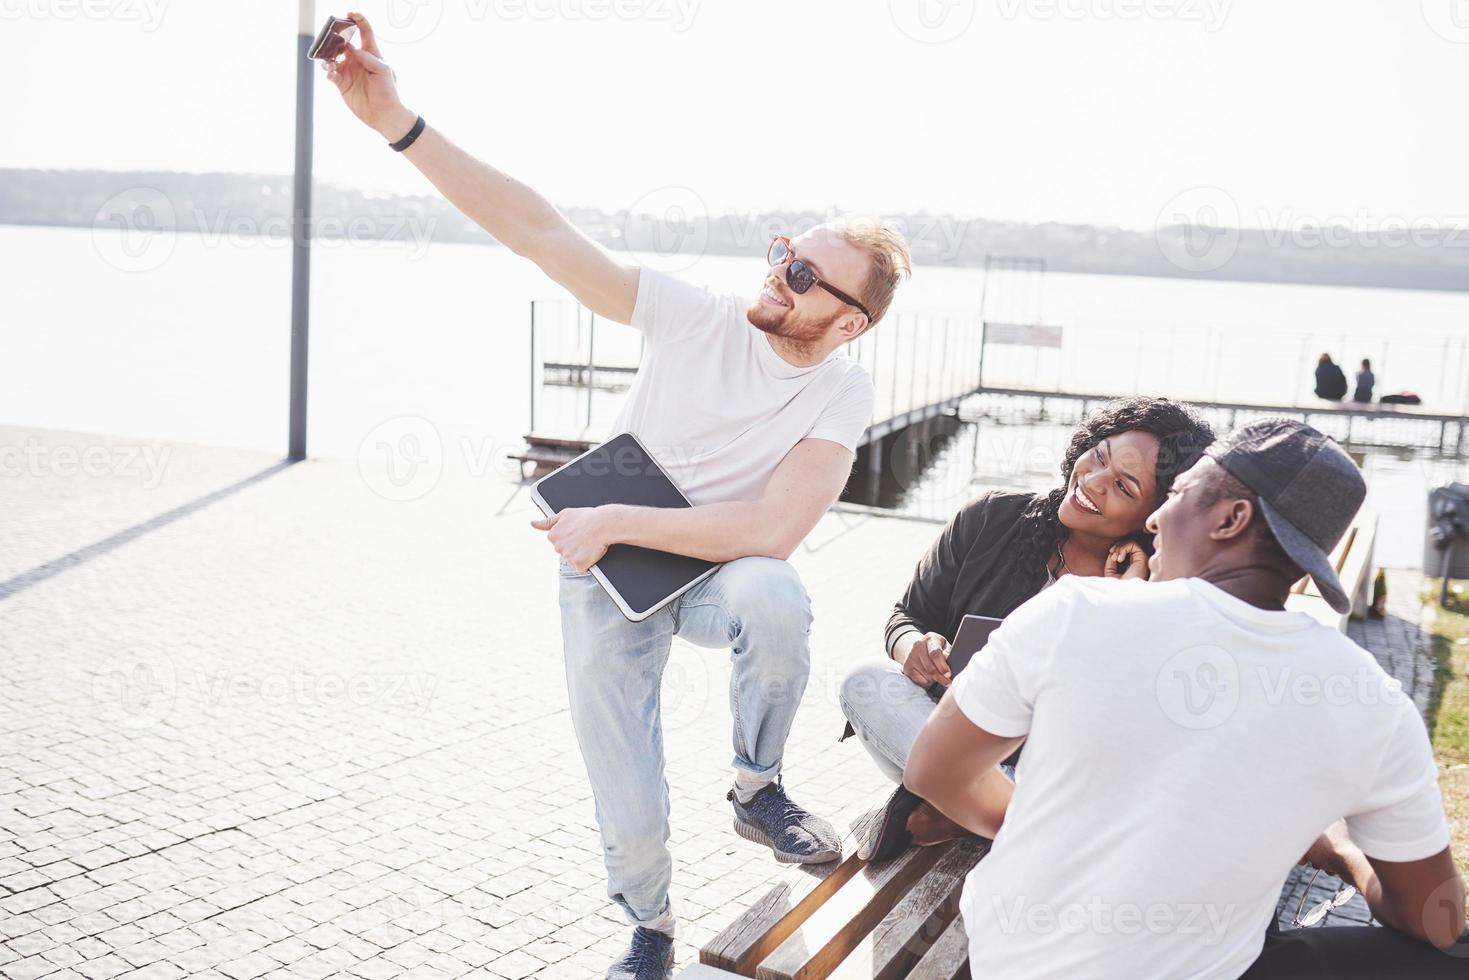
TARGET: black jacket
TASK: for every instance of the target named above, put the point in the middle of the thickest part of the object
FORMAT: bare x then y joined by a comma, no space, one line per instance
969,570
1331,383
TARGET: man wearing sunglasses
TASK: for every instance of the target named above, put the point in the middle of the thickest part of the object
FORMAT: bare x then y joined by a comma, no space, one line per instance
751,409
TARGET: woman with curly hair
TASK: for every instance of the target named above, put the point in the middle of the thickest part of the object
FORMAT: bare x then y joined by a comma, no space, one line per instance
1002,549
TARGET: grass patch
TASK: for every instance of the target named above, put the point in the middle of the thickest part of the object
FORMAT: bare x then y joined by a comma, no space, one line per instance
1449,717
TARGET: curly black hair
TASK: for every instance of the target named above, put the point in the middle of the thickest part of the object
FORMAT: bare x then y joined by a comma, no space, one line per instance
1182,434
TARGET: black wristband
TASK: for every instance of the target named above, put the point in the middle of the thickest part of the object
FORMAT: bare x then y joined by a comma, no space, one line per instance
407,141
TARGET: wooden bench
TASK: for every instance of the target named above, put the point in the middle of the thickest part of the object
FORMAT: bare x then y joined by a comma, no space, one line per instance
548,452
1352,559
851,919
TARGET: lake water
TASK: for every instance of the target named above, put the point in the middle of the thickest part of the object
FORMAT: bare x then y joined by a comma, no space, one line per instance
191,341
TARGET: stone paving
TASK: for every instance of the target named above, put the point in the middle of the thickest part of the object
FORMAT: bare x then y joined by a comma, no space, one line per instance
263,721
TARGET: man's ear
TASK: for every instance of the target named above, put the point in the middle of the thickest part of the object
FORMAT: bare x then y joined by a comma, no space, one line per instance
1233,522
850,327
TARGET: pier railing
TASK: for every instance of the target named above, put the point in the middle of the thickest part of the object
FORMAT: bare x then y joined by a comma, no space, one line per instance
921,364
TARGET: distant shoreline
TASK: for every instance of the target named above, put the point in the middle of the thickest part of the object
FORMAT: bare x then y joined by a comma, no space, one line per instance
255,205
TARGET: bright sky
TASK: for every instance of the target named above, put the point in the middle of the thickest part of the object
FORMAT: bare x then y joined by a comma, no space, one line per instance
1096,111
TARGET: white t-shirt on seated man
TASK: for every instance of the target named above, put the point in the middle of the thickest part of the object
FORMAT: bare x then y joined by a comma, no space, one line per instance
1186,742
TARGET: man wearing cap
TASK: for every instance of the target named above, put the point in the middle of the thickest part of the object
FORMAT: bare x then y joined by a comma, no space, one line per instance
1187,740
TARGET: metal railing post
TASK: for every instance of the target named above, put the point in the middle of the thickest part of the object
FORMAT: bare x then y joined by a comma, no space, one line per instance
591,363
532,387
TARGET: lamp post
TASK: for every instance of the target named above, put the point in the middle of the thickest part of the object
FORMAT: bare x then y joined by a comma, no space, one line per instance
301,233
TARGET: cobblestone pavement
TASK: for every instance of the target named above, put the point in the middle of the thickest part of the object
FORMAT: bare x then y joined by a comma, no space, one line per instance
262,721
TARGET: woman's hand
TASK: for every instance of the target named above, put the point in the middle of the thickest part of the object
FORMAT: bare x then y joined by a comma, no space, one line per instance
927,660
1125,560
369,86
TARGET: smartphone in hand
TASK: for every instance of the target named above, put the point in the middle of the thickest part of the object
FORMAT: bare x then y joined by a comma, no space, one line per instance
333,39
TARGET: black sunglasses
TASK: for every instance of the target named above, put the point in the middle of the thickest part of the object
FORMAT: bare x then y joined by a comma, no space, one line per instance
801,277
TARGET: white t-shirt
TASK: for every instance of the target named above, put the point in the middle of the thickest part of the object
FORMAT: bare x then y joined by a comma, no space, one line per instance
1184,750
717,406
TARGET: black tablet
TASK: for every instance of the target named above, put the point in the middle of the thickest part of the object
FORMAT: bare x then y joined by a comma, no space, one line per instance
974,633
622,471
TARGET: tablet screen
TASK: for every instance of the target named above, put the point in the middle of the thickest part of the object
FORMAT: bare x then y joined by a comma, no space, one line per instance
621,471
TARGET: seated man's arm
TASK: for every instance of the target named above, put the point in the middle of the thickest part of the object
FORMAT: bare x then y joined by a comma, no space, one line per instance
953,766
1424,899
805,484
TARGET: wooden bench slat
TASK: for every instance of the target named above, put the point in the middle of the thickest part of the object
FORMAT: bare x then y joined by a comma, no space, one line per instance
750,938
947,959
907,933
846,917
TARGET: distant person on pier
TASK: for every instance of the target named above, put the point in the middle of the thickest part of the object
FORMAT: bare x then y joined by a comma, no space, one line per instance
1365,381
1331,382
1000,550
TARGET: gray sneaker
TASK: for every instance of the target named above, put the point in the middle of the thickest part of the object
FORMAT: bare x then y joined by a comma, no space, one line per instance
796,837
648,957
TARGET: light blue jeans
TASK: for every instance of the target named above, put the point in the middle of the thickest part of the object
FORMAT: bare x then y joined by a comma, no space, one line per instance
886,710
756,608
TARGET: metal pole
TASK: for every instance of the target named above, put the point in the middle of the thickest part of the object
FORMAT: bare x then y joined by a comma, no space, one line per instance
301,233
591,363
897,353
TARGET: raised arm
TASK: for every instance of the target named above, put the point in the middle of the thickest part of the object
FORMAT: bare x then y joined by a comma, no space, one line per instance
517,216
